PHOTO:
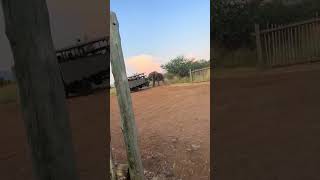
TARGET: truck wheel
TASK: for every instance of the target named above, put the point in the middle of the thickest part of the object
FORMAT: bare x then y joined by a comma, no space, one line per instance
134,89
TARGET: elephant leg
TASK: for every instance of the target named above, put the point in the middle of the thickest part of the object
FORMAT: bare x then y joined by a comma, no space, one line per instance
158,83
153,82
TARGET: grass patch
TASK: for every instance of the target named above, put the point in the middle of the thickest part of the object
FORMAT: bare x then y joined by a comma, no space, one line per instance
8,94
178,80
242,57
113,91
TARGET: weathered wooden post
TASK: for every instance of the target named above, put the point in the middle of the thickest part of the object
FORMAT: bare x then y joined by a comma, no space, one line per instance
261,64
41,90
190,75
112,170
13,71
128,125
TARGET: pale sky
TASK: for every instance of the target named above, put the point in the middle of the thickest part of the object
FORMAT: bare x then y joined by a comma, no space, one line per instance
153,32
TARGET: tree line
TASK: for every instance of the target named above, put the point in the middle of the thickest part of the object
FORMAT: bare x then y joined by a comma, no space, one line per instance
180,66
233,20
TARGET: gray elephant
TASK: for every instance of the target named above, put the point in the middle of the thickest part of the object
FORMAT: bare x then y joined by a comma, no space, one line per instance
155,76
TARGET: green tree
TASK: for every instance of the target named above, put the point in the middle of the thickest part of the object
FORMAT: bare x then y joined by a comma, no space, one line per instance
233,20
181,65
178,66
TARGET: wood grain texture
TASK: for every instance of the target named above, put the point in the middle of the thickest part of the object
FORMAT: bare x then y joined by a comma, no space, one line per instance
41,90
261,63
128,125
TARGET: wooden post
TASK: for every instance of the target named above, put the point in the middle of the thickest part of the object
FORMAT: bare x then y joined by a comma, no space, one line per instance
128,125
266,47
203,71
190,75
261,64
13,71
41,90
112,169
273,46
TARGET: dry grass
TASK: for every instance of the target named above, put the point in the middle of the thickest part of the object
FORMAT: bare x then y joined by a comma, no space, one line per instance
189,84
242,57
8,94
113,91
177,80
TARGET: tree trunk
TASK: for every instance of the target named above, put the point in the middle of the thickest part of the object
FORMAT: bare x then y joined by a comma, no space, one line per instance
41,90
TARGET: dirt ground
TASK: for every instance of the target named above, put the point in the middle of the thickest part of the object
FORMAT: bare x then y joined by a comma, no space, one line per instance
267,126
88,123
173,124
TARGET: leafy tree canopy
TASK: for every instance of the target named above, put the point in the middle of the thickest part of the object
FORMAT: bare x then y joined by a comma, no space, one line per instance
181,65
233,20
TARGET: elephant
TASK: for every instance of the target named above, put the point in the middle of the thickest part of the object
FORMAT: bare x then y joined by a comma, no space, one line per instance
155,76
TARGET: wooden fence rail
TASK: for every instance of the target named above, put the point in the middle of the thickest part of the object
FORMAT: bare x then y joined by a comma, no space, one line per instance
200,75
282,45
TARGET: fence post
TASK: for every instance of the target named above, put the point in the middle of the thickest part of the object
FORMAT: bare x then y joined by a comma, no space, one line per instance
13,71
42,99
260,64
112,169
190,75
128,125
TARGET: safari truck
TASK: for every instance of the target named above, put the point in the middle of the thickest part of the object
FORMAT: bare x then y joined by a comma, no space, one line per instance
138,81
84,67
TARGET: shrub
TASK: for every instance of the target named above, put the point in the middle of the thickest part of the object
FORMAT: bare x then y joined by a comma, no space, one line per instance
180,66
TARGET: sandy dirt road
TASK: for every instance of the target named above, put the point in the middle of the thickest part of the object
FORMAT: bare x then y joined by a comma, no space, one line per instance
88,123
265,127
268,126
170,120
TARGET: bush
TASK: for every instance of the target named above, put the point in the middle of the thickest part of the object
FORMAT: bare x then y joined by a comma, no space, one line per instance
169,76
177,79
180,66
242,57
234,19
